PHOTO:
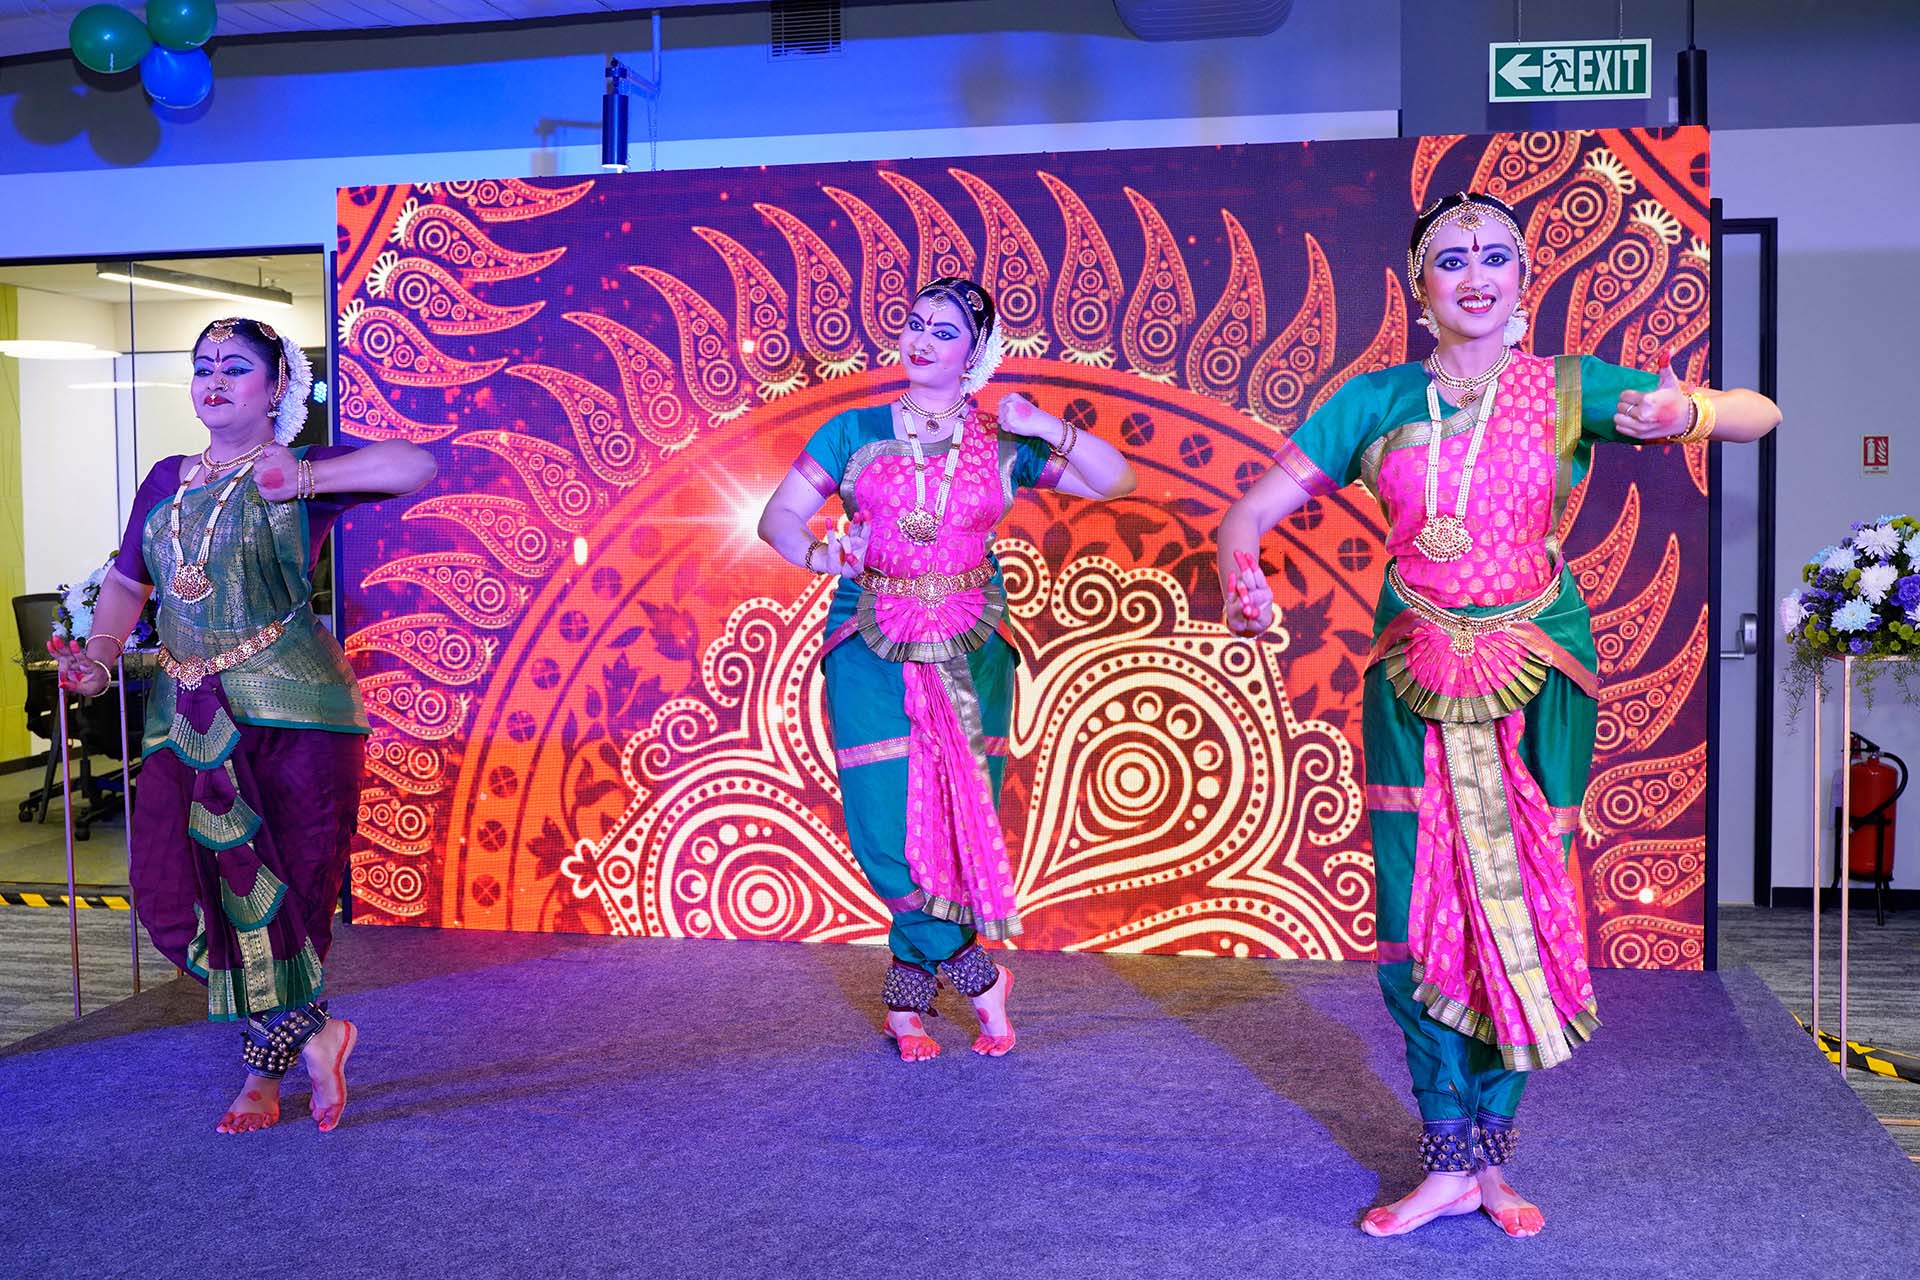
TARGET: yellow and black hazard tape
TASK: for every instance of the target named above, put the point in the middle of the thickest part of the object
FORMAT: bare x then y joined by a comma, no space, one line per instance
1865,1057
83,902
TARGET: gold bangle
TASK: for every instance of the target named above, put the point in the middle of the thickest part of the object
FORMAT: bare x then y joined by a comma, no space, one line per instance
807,560
1704,417
1064,450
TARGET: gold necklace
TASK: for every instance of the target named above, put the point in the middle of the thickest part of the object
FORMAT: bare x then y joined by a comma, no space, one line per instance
190,582
1444,538
908,403
214,468
1468,390
921,525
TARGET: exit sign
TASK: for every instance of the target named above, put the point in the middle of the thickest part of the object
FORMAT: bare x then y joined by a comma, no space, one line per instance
1568,70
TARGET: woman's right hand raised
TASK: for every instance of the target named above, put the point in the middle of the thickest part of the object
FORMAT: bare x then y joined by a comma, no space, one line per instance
79,673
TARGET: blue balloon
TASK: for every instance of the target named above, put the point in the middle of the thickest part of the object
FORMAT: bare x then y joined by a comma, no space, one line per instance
177,78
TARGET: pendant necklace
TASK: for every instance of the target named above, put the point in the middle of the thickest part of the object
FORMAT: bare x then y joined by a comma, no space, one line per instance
190,583
919,524
1443,538
1467,391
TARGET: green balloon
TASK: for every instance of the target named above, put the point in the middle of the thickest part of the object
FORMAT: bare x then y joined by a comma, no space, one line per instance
180,24
106,38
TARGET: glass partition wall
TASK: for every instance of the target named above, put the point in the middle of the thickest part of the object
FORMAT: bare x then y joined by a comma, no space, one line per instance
95,362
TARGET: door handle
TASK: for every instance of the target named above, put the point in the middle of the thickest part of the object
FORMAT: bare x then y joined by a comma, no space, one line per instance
1747,640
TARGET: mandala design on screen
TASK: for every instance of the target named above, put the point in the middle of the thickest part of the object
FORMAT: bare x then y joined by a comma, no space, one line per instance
597,698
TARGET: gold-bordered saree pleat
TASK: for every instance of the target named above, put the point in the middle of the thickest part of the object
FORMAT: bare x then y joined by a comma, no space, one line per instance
1486,823
956,679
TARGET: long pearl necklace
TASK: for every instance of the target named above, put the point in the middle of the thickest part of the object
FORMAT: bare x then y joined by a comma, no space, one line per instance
190,582
921,525
1444,538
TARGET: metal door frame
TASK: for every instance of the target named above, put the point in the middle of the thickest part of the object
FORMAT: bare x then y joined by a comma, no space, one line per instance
1767,232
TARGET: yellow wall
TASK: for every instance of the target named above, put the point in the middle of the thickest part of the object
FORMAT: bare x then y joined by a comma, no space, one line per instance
13,543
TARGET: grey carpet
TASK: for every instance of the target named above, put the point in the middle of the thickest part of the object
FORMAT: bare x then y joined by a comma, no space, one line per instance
551,1106
1883,988
35,852
36,965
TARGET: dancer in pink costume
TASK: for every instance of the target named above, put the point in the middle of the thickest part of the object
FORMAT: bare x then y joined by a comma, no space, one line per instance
919,679
1480,699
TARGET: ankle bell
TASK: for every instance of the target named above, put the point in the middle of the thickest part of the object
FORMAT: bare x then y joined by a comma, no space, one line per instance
1447,1146
271,1042
971,971
1495,1139
908,989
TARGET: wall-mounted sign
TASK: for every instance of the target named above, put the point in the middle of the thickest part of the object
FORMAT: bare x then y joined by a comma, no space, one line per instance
1568,70
1875,455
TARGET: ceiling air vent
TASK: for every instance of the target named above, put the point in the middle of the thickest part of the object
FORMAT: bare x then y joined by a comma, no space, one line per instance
805,28
1202,19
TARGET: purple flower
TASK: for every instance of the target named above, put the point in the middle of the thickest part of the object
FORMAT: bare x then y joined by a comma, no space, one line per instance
1859,645
1907,591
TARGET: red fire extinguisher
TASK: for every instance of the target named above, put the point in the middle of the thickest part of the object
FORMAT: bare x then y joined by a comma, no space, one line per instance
1876,786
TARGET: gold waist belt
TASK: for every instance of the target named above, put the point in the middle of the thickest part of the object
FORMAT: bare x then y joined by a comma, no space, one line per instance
190,674
928,588
1464,632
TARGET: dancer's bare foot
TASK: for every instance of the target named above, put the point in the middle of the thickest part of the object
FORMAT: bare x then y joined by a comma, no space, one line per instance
1517,1216
990,1006
911,1035
256,1106
1439,1195
326,1059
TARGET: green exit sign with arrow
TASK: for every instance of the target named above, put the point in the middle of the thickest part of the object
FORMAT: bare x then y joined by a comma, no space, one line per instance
1568,70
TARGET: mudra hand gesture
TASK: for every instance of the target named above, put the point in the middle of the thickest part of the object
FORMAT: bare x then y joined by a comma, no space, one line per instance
79,673
1658,414
846,552
1250,607
1022,417
276,473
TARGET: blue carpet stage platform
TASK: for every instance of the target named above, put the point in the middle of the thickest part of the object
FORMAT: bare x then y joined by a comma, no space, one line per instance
535,1106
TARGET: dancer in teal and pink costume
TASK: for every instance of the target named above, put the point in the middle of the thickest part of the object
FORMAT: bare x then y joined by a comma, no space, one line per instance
1480,702
919,678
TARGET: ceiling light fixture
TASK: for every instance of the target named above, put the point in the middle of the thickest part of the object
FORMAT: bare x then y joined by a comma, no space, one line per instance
50,349
152,277
136,385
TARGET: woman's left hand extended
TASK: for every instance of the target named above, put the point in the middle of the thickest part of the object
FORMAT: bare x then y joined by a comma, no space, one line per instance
276,472
1657,414
1022,417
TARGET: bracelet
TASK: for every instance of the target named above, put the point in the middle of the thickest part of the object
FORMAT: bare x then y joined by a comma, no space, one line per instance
303,483
104,668
818,544
1704,417
1064,450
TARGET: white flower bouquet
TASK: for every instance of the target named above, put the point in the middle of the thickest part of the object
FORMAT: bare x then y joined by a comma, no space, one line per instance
73,616
1861,600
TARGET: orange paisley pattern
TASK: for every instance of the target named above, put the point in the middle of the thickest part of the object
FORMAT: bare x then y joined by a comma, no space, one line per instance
596,697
